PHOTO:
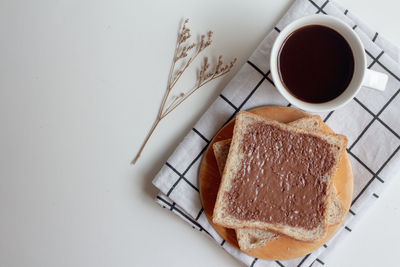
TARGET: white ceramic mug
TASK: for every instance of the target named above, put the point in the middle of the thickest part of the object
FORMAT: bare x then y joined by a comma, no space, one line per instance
361,76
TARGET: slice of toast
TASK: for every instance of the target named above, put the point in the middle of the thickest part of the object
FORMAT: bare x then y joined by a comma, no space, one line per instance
251,238
227,202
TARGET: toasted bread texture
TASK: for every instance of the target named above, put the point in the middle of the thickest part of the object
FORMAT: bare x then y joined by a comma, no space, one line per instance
221,215
251,238
336,210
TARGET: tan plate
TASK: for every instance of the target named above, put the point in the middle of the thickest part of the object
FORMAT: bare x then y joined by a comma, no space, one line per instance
283,248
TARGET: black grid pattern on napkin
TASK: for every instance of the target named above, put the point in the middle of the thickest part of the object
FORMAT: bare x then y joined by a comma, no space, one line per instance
236,108
172,207
247,98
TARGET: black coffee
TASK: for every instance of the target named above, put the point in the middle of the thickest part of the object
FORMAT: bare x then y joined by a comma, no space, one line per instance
315,64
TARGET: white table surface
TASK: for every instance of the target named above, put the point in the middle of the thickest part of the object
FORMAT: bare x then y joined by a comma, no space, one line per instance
80,85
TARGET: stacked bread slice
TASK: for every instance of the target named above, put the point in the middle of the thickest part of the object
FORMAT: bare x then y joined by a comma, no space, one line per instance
253,225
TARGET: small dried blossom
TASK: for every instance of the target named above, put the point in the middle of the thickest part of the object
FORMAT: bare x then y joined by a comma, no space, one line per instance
184,51
184,33
220,69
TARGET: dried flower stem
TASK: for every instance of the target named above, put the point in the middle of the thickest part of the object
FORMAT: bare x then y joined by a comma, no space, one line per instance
181,52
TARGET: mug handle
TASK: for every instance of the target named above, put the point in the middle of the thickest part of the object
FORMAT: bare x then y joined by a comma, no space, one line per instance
375,80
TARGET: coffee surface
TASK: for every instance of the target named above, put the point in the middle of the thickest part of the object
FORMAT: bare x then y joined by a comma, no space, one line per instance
315,64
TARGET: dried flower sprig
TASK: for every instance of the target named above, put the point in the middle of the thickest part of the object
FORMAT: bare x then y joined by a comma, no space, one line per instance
182,50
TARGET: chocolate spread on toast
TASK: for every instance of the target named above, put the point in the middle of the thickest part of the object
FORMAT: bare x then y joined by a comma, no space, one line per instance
280,179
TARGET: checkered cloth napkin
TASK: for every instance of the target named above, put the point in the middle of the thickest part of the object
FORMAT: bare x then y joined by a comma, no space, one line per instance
370,121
